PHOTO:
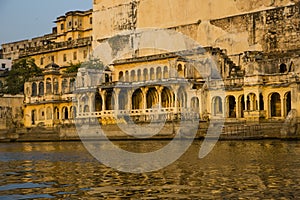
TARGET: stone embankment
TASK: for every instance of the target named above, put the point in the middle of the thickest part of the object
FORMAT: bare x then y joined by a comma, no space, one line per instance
229,131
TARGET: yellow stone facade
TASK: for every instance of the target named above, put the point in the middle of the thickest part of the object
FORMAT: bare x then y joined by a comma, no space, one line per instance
69,42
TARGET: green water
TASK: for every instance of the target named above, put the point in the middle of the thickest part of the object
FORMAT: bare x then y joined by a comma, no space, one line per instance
233,170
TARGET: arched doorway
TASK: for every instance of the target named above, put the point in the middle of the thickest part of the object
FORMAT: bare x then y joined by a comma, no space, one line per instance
217,106
275,105
65,113
182,98
122,100
167,97
231,105
242,106
288,103
195,104
137,100
56,113
110,100
98,102
152,98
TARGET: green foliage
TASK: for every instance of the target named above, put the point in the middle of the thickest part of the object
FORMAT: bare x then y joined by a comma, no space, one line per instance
73,68
21,71
93,63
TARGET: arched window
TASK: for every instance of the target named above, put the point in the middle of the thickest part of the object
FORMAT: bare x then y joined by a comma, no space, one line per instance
182,98
85,104
98,102
72,112
48,86
127,76
180,71
41,88
152,74
195,104
283,68
55,86
56,113
33,90
217,106
132,76
158,73
65,113
121,76
64,86
145,72
72,84
139,74
166,72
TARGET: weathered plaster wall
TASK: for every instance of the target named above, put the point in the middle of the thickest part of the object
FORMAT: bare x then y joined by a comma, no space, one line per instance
195,18
11,111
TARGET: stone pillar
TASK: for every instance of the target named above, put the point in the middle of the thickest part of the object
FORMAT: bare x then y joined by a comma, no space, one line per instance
159,90
117,92
224,107
78,103
258,102
103,96
245,99
144,91
91,102
283,112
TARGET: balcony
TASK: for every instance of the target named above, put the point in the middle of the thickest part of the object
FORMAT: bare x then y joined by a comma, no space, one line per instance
159,114
54,46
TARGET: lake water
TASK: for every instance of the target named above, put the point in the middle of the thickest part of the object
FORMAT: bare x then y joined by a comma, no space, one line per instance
233,170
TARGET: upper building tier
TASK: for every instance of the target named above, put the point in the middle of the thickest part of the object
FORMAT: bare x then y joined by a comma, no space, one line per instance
71,37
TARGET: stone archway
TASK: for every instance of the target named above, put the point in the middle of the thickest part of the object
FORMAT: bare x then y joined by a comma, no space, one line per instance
137,100
152,98
275,105
231,106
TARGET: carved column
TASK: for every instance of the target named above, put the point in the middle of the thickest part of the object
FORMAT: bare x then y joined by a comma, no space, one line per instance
144,91
103,96
117,92
159,90
283,106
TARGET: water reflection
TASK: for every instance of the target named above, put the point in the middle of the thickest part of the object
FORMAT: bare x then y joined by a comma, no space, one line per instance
234,169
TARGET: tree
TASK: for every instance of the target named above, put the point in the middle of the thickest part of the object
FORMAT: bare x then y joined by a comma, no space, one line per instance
93,63
73,68
21,71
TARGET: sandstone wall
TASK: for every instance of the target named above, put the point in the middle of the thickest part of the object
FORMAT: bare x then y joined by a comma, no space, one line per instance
11,111
206,21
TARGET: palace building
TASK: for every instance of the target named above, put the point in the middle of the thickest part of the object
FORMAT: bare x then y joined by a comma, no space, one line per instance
69,42
244,68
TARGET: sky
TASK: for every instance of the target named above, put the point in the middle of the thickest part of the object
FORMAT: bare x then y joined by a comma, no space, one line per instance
26,19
